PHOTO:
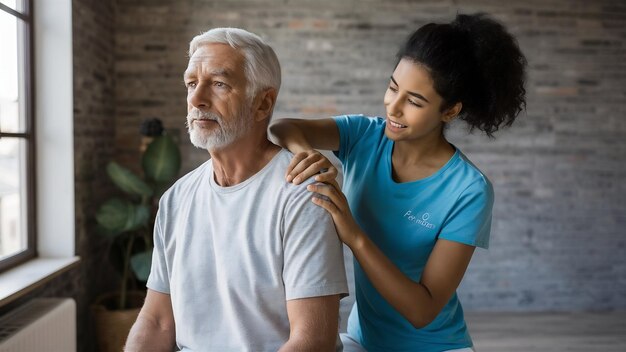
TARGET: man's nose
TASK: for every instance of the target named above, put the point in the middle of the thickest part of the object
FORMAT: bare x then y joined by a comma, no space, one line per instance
200,97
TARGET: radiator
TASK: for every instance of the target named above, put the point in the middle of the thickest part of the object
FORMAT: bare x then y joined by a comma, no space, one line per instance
43,324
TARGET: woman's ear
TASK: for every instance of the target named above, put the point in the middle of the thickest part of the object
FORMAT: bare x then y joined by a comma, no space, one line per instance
264,104
452,112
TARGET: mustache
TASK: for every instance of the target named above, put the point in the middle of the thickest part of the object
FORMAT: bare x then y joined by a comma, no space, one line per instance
197,114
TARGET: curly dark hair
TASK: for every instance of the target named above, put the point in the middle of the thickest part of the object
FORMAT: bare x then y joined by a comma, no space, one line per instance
475,61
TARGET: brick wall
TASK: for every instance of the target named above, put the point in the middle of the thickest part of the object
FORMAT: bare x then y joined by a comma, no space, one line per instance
94,109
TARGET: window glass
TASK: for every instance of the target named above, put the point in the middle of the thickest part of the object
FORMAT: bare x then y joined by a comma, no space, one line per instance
17,237
13,4
13,237
12,80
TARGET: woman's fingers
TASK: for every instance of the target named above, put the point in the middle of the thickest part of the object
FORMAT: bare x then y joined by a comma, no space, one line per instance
304,162
307,164
330,191
329,196
326,204
327,175
306,173
333,182
289,175
313,169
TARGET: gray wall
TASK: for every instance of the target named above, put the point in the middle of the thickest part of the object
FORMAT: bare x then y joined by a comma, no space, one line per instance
559,227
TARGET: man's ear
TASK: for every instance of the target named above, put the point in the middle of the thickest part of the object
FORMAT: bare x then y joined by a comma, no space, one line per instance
264,104
452,112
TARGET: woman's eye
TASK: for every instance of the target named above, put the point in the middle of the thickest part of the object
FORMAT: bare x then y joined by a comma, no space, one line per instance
415,103
393,89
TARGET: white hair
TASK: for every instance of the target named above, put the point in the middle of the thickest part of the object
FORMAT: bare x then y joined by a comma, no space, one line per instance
262,68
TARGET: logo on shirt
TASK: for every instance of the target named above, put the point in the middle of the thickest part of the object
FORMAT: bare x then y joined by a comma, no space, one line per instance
420,220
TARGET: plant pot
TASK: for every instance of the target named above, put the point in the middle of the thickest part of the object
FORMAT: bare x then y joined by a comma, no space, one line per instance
113,325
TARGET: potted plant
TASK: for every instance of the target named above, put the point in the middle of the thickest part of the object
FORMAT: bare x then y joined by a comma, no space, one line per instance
128,222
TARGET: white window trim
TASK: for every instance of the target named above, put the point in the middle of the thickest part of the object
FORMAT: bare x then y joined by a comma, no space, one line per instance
54,123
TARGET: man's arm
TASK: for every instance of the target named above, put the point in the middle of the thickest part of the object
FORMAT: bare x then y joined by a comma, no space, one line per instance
154,328
314,324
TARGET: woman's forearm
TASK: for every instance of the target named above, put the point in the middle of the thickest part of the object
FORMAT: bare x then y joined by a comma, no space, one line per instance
411,299
301,135
288,135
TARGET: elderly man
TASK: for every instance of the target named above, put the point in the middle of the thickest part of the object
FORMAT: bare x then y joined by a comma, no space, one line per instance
243,260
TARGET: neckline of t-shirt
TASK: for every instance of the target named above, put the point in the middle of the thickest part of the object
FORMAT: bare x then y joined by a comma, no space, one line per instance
453,160
237,187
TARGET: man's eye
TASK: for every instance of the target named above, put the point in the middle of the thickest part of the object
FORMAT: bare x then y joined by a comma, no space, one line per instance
219,84
190,84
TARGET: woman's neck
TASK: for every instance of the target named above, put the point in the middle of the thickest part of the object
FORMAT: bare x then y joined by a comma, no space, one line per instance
414,160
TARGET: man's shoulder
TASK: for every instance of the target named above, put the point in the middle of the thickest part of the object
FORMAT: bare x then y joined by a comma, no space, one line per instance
284,159
360,136
187,182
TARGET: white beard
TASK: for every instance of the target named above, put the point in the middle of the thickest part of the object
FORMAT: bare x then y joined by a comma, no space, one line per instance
225,133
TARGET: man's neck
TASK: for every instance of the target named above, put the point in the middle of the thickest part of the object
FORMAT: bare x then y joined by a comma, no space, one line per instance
241,160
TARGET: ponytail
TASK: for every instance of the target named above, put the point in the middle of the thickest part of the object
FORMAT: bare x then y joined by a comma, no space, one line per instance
475,61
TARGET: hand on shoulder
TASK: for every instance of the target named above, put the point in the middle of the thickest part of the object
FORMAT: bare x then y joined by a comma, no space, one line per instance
306,164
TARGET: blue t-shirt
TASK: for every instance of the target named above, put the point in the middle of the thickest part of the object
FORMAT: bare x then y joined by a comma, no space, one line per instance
405,220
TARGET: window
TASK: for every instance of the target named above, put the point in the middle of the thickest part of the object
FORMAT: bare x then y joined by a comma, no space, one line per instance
49,106
17,140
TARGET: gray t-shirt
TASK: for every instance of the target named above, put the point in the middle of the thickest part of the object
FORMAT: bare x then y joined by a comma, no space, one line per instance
230,257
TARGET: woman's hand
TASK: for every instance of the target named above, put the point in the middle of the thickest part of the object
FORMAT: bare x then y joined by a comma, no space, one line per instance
335,202
308,163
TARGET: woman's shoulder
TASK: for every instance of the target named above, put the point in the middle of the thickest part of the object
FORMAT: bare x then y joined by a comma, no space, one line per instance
359,121
461,174
470,177
359,128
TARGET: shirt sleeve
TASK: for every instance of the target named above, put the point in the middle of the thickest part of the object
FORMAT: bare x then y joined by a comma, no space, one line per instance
159,278
313,254
469,221
352,128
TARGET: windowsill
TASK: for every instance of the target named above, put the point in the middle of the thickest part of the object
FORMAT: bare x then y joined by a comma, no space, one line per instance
22,279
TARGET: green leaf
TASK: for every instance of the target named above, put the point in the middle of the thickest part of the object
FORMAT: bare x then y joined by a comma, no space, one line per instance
127,181
161,161
141,263
117,216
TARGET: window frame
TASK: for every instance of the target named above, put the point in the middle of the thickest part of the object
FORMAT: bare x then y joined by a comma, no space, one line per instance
26,16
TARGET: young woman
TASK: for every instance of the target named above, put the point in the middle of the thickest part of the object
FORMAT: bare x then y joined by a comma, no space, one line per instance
414,207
